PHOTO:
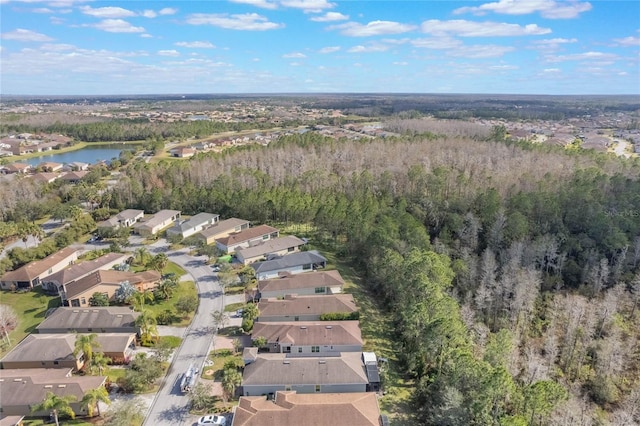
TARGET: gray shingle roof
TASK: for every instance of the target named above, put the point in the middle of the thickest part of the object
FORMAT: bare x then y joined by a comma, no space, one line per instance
111,317
289,261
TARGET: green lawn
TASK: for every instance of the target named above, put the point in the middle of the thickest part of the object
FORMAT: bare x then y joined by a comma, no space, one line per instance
232,307
185,288
75,422
30,308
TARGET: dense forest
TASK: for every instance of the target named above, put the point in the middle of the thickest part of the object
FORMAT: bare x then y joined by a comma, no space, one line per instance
511,271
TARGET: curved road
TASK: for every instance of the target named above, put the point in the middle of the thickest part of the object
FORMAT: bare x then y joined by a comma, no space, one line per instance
170,406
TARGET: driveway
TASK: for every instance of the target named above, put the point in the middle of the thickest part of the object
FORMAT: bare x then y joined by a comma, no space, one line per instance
170,406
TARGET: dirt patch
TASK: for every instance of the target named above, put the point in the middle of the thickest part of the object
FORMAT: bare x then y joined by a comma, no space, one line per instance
207,373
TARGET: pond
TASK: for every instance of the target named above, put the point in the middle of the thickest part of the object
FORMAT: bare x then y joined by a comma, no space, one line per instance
90,154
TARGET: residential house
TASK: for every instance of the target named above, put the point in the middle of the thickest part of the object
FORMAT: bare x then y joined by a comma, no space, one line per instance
182,152
307,284
246,238
30,275
292,408
45,177
310,336
77,166
74,177
326,373
56,350
305,308
103,319
223,229
269,249
157,222
296,263
193,225
124,219
18,168
54,283
21,389
78,293
48,166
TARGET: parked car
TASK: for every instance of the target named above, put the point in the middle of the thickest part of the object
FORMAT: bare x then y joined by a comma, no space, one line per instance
215,268
239,313
212,420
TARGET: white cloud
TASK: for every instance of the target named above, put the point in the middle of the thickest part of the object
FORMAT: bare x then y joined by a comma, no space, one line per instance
373,28
480,51
107,12
264,4
42,10
555,41
368,49
196,44
329,49
628,41
55,20
145,35
21,34
464,28
437,43
309,6
588,56
330,17
295,64
245,22
168,53
401,63
117,26
294,55
551,70
168,11
149,13
549,9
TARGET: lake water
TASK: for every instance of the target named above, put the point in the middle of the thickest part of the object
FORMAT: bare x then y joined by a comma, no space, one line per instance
89,154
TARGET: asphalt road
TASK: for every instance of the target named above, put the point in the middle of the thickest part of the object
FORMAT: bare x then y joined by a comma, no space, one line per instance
171,406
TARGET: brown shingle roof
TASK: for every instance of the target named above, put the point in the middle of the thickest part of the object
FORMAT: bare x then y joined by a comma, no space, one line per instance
109,277
307,333
307,305
306,280
290,408
37,267
23,387
270,246
246,235
281,369
82,269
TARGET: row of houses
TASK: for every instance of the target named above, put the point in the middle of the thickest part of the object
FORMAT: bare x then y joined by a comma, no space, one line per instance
44,167
306,370
45,361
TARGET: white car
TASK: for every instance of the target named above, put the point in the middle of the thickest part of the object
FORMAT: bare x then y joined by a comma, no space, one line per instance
212,420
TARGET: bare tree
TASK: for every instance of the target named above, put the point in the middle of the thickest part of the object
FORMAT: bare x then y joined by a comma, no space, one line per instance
8,321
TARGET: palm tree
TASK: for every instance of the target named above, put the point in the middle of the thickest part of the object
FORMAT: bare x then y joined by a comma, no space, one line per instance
98,363
57,405
148,324
142,256
159,262
139,298
231,378
86,343
165,289
91,399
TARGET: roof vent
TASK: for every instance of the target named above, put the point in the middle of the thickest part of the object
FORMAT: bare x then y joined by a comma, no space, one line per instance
119,315
17,380
322,361
304,327
62,386
75,311
286,361
48,386
329,327
95,311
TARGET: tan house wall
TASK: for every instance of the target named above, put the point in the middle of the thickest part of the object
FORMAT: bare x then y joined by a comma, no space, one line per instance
222,234
67,261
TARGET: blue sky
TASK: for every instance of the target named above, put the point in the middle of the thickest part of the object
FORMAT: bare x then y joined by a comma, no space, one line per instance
80,47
